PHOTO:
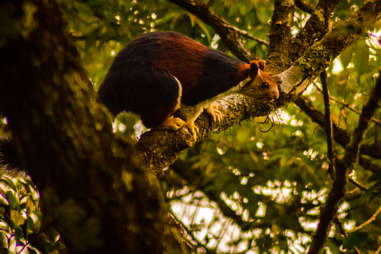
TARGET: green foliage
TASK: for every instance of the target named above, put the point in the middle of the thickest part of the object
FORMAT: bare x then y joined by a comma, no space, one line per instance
246,190
20,216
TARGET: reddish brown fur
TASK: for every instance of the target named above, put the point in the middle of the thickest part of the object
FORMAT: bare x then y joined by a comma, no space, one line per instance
188,55
244,69
259,63
243,72
144,76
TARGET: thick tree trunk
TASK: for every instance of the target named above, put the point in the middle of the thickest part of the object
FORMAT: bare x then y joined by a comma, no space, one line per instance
92,191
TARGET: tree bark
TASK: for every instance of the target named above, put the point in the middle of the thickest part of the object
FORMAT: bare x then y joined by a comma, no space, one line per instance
92,190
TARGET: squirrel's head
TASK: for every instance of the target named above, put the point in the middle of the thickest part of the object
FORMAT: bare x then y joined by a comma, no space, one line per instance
262,85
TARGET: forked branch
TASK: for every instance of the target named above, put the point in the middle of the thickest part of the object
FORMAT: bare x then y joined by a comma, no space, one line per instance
329,211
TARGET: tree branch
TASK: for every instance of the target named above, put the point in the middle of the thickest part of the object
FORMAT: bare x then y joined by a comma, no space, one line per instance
340,135
358,184
317,57
328,124
351,150
248,35
91,188
280,34
306,7
328,212
316,27
220,25
346,105
196,243
160,148
344,233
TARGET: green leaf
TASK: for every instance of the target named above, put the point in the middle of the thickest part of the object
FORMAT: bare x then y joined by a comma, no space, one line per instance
29,223
333,247
8,182
13,202
19,234
346,56
361,58
354,239
166,18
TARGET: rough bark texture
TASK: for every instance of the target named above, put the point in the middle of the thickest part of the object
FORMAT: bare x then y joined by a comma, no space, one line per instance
160,148
280,35
316,27
91,189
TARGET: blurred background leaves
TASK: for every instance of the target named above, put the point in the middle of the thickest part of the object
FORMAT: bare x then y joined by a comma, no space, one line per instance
255,188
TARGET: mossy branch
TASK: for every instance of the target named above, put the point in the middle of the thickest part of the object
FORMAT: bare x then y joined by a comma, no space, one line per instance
160,148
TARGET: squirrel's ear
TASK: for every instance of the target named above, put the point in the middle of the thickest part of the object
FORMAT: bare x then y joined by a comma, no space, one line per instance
254,65
253,69
261,64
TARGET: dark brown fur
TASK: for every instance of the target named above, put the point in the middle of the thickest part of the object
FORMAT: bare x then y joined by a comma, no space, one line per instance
142,78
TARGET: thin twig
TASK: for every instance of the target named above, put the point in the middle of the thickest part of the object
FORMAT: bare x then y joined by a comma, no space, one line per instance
341,136
370,220
305,7
346,105
248,35
328,124
328,212
190,233
358,184
344,233
22,249
229,36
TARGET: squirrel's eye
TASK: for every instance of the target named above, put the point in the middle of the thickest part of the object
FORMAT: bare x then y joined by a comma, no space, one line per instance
265,85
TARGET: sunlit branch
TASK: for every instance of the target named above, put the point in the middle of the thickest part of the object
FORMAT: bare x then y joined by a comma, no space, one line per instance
370,220
358,184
